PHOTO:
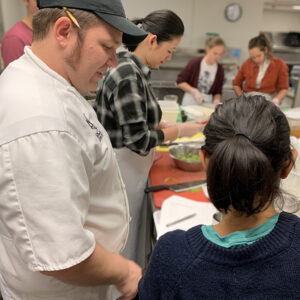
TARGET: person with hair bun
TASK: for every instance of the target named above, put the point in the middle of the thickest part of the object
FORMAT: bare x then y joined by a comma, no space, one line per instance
129,111
262,73
254,251
202,78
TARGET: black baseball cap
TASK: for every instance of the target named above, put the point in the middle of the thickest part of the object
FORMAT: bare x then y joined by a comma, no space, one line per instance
111,11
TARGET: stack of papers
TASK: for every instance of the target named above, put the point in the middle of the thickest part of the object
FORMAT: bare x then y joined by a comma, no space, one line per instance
182,213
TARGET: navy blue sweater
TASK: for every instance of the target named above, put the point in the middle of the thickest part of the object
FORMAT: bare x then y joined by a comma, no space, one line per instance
187,266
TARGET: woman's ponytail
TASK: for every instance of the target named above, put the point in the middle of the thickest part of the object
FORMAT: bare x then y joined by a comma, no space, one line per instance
164,23
237,172
248,142
261,42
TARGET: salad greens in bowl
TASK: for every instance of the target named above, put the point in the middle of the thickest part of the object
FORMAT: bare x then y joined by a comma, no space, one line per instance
186,156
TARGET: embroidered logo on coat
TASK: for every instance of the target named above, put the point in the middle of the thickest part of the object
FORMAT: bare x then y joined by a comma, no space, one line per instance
99,134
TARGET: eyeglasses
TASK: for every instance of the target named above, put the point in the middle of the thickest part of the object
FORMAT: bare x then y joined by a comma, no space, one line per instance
72,18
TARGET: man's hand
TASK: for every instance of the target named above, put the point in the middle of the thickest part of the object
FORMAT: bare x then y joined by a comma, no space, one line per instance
129,284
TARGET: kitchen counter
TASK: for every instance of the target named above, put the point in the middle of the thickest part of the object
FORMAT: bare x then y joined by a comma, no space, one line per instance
164,171
295,127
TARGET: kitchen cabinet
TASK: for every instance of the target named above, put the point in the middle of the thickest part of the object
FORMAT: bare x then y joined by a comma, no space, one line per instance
294,90
291,56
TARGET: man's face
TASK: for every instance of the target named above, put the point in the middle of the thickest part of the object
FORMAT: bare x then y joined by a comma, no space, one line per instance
90,58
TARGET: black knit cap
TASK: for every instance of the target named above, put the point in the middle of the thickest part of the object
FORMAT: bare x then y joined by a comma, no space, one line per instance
111,11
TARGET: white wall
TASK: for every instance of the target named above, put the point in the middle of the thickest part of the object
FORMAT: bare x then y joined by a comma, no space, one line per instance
12,12
199,17
202,16
209,16
280,21
184,8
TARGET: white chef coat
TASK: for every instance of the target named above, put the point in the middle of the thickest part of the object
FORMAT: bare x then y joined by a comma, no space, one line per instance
60,185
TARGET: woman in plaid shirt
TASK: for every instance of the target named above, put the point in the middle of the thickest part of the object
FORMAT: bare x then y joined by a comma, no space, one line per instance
129,111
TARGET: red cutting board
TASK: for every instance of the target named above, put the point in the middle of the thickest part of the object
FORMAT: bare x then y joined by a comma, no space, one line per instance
164,171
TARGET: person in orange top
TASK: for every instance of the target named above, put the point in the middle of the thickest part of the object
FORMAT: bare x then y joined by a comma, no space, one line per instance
262,73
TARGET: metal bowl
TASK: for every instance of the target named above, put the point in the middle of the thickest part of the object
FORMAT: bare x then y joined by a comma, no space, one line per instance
182,155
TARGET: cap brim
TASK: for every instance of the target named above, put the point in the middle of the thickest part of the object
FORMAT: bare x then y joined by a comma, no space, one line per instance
132,35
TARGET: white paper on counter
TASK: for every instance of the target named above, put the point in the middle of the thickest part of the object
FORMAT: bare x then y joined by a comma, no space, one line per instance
205,191
175,208
292,182
293,114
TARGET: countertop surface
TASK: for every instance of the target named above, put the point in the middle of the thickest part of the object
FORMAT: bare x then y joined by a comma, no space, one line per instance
164,171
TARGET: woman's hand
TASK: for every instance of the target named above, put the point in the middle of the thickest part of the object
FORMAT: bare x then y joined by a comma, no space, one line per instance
276,101
217,101
164,124
189,128
238,91
197,95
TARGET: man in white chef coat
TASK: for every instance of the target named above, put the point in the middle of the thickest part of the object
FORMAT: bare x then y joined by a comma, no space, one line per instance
63,207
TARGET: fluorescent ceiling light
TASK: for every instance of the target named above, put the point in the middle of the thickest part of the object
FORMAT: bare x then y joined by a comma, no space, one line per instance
296,6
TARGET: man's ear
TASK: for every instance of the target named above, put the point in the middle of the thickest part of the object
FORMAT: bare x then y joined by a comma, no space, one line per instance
204,158
289,165
62,30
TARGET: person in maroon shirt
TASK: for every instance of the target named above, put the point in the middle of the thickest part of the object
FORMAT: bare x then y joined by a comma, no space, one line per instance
18,36
202,78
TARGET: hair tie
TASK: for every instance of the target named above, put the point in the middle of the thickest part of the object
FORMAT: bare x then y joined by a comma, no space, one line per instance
140,22
244,135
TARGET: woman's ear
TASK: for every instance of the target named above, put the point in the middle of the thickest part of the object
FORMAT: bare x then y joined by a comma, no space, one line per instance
288,165
204,158
152,39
